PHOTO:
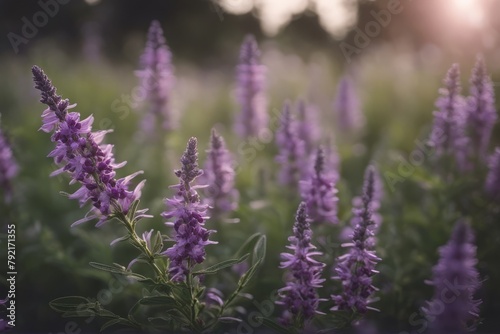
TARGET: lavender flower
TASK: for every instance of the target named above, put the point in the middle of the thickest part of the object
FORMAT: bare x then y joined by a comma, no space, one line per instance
480,110
157,79
299,296
307,125
347,106
8,167
189,216
250,90
357,203
319,192
356,268
80,153
448,136
492,185
219,175
455,280
291,155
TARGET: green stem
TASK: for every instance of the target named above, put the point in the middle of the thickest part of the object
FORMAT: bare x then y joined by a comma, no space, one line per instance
189,282
140,244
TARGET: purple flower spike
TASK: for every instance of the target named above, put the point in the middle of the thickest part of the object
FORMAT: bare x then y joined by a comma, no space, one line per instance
291,155
319,192
307,125
448,132
80,153
492,185
455,279
8,167
219,175
480,110
157,79
189,216
250,90
357,203
356,268
347,106
299,297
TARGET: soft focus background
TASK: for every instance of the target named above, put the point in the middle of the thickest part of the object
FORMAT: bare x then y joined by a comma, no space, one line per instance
90,50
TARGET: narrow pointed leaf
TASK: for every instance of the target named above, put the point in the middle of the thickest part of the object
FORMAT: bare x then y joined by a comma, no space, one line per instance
221,265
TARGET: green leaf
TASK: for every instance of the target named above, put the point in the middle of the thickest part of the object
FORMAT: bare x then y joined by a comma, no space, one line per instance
245,279
69,303
221,265
165,301
259,251
115,268
158,243
113,322
133,209
273,325
247,245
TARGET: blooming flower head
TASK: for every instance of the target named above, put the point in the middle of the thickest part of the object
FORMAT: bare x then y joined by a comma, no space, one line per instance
299,297
291,154
157,79
492,185
8,167
220,177
356,268
250,90
319,193
188,217
448,136
80,153
480,110
455,279
347,106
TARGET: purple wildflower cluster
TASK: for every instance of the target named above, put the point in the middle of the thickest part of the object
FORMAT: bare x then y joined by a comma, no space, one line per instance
299,296
189,215
291,155
157,79
492,185
455,272
250,90
80,153
463,126
356,268
480,109
347,106
8,167
220,177
448,136
319,191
